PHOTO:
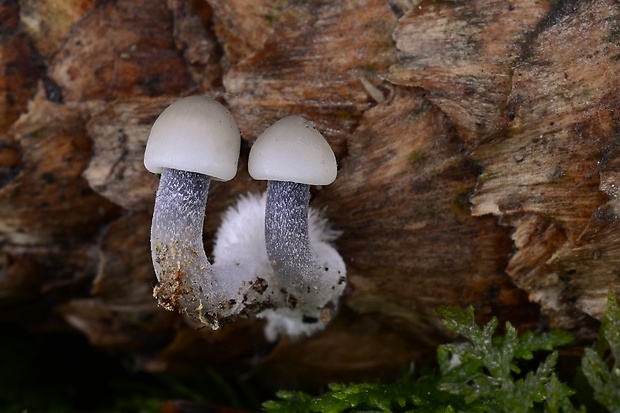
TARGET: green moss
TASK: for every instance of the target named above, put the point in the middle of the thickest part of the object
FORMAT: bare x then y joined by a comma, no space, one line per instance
604,379
613,36
417,156
461,202
38,135
484,373
343,114
271,19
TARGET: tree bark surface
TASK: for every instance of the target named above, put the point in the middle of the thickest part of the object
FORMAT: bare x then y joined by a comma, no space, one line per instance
477,146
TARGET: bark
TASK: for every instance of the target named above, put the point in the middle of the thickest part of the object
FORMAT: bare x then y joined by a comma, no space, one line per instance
477,144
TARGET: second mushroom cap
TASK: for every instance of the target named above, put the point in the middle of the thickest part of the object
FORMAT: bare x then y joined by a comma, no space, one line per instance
292,150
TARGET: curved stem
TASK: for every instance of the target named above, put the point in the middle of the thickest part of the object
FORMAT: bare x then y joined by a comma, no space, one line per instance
181,265
188,283
286,234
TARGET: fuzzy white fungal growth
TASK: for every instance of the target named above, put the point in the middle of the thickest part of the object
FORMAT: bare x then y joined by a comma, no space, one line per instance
240,240
292,155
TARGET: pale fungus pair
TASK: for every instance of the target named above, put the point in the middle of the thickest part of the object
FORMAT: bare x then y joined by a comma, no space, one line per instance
273,256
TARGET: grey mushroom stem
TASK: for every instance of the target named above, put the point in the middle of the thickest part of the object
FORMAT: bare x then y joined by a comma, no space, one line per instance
286,235
181,265
211,294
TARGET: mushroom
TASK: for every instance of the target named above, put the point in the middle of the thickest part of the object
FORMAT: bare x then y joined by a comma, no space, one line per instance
292,155
242,233
193,141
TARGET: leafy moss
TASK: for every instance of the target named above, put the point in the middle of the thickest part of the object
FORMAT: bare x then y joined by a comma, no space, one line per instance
605,381
417,156
485,373
486,368
421,396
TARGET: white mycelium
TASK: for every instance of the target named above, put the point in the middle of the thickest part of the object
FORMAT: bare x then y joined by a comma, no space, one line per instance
240,240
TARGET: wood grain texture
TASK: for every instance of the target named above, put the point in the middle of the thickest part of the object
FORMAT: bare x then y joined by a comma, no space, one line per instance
550,164
477,144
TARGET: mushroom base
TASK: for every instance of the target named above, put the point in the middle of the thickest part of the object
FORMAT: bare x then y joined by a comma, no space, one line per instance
188,283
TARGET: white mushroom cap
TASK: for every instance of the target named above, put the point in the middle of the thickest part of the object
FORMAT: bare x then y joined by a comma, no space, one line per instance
292,150
194,134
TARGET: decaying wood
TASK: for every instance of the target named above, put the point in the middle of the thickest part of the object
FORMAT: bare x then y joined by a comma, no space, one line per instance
560,146
477,144
540,119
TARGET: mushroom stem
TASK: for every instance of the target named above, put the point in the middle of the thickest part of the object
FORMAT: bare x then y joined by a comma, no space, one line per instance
286,234
188,283
181,265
